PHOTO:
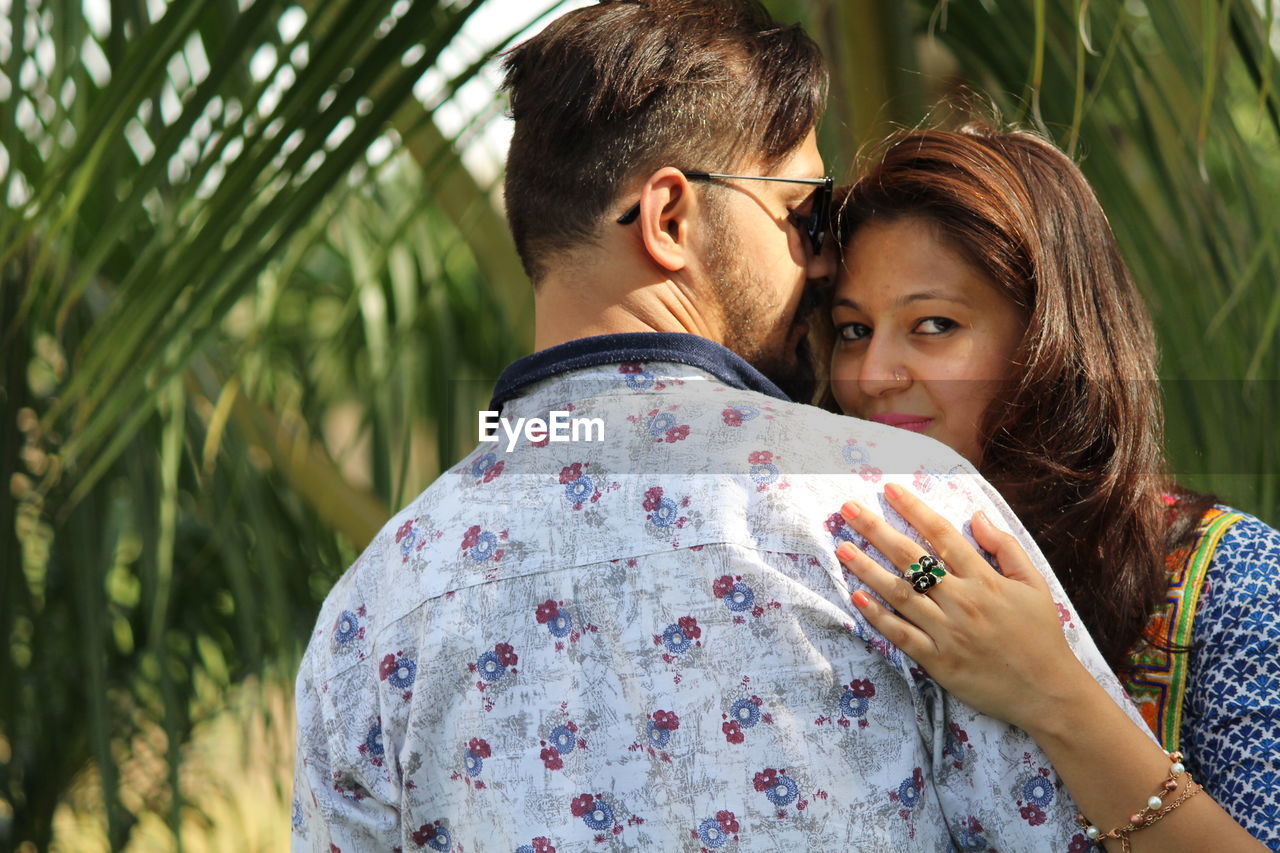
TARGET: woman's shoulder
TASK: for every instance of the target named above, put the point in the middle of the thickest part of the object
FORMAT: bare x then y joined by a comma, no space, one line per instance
1242,582
1248,547
1231,715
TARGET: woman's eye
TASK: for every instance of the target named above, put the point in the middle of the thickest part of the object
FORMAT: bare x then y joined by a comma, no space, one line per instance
853,331
935,325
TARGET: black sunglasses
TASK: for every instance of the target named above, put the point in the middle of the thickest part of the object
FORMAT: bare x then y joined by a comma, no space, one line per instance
815,228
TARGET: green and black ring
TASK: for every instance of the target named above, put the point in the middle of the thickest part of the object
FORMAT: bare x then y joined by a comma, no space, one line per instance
925,573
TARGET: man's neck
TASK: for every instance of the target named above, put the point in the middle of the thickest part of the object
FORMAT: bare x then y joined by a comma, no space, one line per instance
593,305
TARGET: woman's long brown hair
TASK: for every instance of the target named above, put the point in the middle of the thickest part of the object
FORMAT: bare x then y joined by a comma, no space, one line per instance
1076,442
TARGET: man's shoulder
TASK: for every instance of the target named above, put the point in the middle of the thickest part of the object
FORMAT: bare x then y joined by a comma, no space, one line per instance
814,441
699,463
692,462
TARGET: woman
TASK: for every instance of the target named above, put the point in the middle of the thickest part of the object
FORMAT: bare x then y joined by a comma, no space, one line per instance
982,301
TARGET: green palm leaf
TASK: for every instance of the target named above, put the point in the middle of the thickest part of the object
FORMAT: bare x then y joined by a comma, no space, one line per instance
206,280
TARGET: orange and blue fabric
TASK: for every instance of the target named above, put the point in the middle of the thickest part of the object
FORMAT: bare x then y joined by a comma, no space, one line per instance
1157,679
1220,702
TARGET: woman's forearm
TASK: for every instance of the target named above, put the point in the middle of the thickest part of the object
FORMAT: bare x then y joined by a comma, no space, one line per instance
1111,767
995,641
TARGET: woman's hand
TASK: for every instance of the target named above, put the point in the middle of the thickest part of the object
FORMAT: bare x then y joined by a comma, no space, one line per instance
996,642
993,641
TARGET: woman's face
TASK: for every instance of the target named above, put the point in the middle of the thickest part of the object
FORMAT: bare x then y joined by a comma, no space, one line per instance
923,337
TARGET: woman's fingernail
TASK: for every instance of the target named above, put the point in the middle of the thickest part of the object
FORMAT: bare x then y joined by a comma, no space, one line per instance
845,551
982,516
851,510
893,490
860,598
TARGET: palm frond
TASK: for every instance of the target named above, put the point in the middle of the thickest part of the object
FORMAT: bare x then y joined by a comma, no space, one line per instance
207,275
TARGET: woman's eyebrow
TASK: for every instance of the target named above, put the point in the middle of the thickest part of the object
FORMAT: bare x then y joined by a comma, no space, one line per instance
930,295
907,299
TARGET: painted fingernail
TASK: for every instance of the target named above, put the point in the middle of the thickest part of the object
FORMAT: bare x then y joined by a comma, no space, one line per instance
860,598
845,551
893,490
851,510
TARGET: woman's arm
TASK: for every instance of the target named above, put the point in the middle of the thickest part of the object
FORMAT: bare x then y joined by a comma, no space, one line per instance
995,642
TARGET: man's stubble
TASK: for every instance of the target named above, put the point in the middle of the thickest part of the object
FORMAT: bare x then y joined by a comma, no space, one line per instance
743,298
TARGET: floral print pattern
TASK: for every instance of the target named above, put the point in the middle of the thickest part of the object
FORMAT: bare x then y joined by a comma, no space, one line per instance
578,657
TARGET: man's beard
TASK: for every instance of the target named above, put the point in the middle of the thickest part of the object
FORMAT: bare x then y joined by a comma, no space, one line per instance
742,295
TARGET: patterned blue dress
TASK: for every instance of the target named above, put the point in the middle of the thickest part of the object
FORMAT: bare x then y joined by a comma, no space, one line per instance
1231,714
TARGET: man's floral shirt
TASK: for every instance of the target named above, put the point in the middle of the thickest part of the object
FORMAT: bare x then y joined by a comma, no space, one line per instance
646,643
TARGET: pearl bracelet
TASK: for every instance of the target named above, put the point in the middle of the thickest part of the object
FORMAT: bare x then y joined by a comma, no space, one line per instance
1154,810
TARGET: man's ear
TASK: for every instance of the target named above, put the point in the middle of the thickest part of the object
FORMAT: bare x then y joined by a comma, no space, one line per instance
666,204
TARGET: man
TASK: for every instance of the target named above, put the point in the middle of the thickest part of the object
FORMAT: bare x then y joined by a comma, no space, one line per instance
645,641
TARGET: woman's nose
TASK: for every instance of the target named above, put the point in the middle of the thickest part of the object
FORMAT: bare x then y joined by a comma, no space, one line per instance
882,371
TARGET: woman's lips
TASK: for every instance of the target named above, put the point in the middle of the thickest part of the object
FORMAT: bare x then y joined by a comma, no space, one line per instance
915,423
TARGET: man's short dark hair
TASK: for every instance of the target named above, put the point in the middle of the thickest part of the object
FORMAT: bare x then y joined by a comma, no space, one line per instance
625,87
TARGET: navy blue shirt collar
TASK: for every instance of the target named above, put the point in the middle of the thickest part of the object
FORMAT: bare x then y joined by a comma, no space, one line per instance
677,347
